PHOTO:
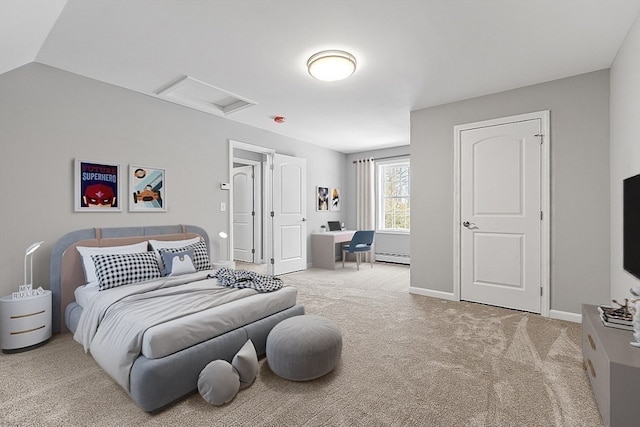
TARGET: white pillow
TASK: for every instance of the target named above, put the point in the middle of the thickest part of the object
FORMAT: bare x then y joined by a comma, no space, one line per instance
161,244
169,244
89,266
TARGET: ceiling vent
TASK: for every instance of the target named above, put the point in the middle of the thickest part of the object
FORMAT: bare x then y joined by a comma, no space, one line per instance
204,97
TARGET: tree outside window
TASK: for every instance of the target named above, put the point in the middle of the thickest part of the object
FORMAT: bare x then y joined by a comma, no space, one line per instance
394,196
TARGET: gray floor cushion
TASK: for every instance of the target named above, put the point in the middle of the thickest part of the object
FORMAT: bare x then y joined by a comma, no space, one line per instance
304,348
218,382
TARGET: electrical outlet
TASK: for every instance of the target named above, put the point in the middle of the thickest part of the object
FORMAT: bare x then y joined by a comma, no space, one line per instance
223,206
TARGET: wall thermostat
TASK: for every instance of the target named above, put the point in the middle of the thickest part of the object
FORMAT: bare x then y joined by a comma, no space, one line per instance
224,186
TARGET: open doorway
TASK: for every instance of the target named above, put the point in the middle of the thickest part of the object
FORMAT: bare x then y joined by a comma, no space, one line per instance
282,236
248,210
250,200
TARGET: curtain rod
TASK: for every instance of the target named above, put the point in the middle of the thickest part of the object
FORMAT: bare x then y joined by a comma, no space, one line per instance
385,158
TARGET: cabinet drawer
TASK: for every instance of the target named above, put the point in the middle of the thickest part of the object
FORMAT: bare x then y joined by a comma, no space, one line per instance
19,311
597,368
23,324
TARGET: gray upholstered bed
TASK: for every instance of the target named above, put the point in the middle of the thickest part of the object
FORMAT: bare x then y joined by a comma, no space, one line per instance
154,382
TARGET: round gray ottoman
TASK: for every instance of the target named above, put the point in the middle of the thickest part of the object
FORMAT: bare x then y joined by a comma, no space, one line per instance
303,348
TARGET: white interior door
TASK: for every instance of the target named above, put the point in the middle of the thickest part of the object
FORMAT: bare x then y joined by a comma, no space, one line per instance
500,215
289,214
243,214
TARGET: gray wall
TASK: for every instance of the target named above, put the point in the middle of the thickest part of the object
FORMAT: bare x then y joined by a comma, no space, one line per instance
579,108
625,147
49,117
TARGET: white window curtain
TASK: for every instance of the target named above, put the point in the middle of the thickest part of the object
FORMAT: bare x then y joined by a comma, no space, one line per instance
365,192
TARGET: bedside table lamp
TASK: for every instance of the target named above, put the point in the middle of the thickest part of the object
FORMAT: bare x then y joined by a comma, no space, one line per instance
25,322
29,253
224,261
223,236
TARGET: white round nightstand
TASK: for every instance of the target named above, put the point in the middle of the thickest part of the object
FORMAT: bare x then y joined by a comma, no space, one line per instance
25,323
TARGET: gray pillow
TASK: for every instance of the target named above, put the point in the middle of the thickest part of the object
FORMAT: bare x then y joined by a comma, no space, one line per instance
246,363
218,382
177,263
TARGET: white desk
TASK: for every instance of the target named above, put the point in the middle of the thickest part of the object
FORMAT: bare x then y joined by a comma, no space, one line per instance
323,247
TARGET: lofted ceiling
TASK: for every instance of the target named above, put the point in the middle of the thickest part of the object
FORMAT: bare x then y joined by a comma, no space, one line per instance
411,54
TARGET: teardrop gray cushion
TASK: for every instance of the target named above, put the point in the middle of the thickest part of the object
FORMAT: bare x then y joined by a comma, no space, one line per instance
246,363
218,382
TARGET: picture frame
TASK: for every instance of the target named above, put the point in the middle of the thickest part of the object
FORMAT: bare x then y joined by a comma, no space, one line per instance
335,202
97,186
147,189
322,199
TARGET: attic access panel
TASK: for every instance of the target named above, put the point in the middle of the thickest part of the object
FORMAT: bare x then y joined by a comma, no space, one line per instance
204,97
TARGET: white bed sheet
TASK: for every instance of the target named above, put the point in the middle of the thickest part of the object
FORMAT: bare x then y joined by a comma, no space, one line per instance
84,294
170,337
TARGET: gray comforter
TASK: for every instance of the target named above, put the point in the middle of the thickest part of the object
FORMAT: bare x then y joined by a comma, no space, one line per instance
112,325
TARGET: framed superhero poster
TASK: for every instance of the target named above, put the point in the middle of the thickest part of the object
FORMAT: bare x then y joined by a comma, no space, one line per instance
147,191
97,187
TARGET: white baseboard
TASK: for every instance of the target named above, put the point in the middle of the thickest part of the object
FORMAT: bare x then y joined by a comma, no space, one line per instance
398,259
553,314
431,293
565,315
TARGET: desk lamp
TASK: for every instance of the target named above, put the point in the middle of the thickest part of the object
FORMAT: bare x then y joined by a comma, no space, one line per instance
29,252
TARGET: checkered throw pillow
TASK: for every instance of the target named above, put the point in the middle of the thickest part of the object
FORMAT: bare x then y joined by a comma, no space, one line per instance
200,254
115,270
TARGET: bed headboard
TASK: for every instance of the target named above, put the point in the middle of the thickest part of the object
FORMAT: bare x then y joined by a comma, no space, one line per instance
67,272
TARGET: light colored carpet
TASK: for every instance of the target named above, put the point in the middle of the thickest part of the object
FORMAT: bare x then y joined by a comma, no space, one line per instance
407,360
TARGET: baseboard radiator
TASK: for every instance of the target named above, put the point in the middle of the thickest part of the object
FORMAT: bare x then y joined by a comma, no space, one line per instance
390,257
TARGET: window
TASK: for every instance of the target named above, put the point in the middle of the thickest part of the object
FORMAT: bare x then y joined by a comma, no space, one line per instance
394,212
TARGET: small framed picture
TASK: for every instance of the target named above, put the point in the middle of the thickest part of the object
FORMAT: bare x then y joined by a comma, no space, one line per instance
323,199
97,187
335,200
147,189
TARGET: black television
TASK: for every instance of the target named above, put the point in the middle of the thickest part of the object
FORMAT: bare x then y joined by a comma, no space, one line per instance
631,225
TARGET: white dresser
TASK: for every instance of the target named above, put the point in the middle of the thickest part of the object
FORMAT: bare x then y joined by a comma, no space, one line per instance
613,368
25,323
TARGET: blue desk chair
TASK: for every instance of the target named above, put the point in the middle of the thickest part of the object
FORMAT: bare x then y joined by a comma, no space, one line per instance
360,242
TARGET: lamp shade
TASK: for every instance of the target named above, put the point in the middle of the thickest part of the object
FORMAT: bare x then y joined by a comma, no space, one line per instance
34,247
29,252
223,236
331,65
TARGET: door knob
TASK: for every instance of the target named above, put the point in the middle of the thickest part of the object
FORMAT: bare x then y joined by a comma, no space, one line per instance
468,224
304,219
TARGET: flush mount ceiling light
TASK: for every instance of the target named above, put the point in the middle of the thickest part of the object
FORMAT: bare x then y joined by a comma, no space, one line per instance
331,65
